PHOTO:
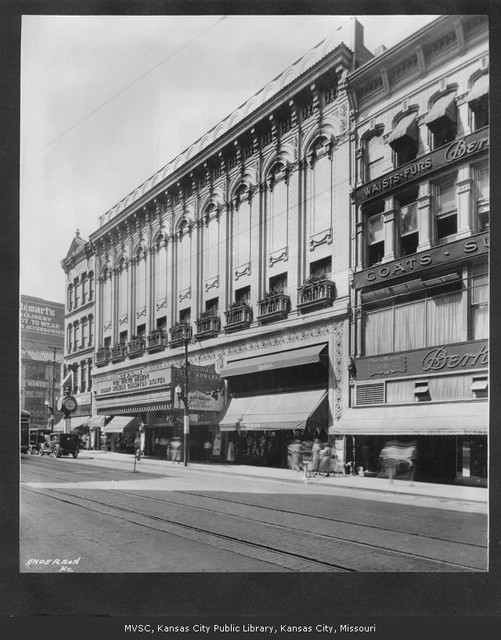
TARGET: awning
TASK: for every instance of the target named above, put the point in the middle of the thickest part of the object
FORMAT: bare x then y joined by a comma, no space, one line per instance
444,107
422,418
479,89
119,423
277,360
77,421
97,421
404,132
272,412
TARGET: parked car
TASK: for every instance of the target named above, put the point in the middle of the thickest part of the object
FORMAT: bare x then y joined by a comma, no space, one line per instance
60,444
37,437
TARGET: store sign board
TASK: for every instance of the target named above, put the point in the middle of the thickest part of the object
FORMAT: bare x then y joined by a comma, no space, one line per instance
134,381
457,151
41,319
442,359
444,254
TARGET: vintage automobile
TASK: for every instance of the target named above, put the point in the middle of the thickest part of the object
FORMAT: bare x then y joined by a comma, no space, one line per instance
37,437
60,444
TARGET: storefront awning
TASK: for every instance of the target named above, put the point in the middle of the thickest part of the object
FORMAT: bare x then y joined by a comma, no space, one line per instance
406,130
272,412
75,422
278,360
422,418
479,89
119,423
444,107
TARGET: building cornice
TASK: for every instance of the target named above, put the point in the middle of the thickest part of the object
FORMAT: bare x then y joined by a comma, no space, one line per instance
290,83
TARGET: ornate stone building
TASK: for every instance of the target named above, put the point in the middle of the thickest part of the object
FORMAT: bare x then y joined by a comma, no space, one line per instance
419,333
242,245
79,328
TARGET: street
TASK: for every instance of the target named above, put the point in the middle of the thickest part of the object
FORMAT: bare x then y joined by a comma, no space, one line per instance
101,513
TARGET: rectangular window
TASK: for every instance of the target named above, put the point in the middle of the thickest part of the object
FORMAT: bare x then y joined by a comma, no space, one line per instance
83,377
375,239
431,321
482,197
446,210
123,337
76,293
374,156
84,334
480,302
185,316
480,112
321,268
162,323
408,225
84,288
278,284
91,331
212,306
242,296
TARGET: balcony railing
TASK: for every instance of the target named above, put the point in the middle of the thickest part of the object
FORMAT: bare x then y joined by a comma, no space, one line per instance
316,293
238,316
117,352
274,306
157,341
102,356
180,333
208,326
135,348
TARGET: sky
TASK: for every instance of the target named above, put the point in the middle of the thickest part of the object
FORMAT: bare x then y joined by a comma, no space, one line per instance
107,101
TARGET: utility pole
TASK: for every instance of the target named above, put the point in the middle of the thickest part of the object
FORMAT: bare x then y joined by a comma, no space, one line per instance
52,405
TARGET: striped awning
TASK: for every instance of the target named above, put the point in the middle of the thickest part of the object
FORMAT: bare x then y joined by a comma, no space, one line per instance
272,412
119,423
77,421
406,130
277,360
444,107
479,89
421,418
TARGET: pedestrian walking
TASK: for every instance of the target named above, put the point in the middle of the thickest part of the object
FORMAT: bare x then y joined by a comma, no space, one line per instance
315,456
207,447
296,451
324,465
230,455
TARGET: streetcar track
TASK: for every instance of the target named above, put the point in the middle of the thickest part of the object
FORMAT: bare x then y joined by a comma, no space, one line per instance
184,528
286,511
272,555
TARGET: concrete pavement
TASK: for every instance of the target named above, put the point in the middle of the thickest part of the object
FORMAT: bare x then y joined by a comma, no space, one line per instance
446,491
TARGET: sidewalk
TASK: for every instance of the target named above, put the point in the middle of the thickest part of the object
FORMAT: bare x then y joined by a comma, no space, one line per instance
457,492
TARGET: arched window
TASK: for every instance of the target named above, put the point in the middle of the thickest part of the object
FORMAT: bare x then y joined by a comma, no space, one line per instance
211,244
140,279
277,208
184,257
242,227
122,288
160,272
319,187
107,300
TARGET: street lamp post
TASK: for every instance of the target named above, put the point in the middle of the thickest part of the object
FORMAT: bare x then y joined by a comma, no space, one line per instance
182,395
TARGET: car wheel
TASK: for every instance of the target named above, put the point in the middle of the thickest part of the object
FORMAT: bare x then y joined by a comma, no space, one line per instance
40,453
75,454
56,453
